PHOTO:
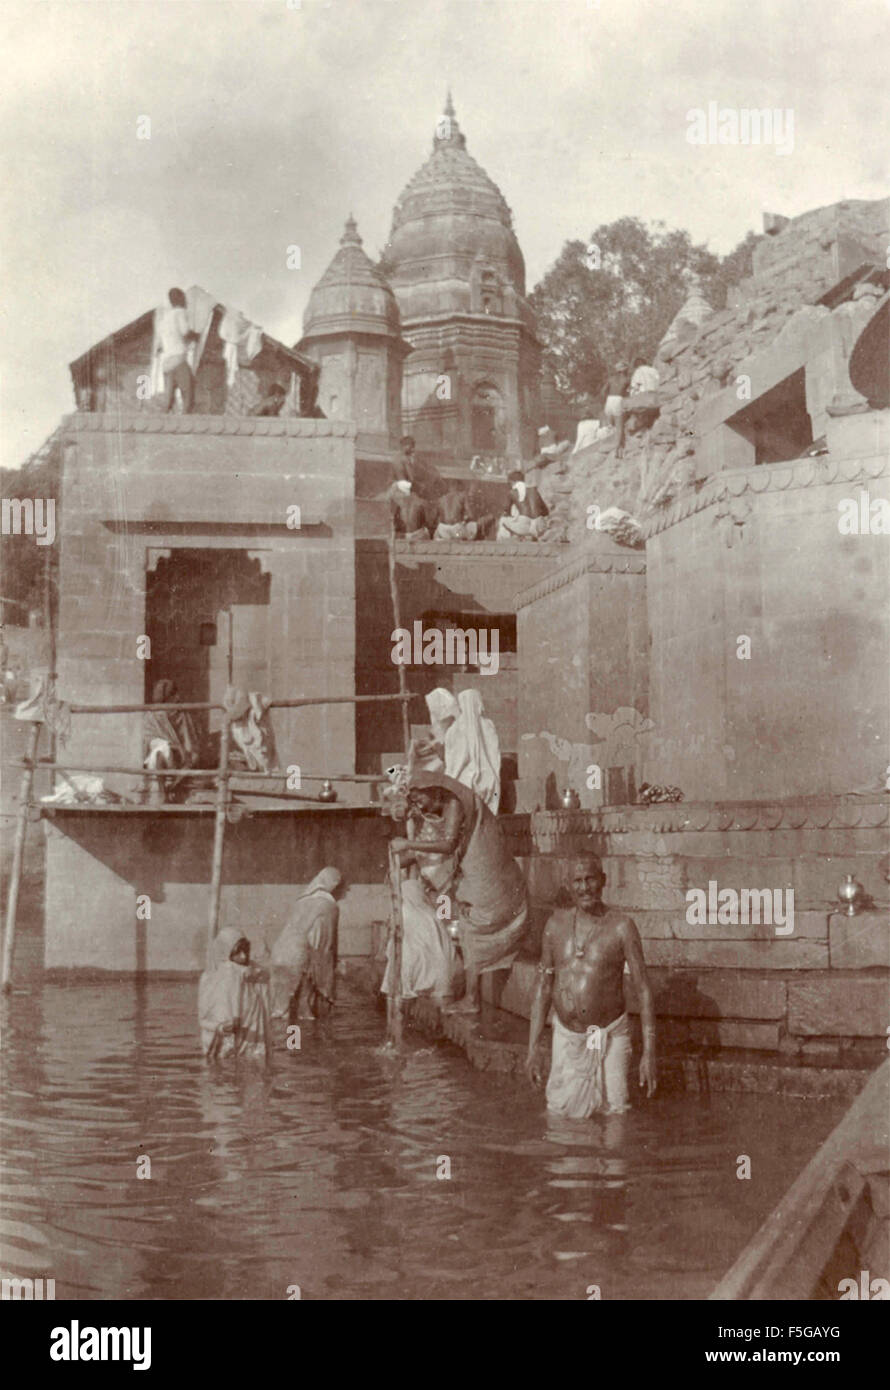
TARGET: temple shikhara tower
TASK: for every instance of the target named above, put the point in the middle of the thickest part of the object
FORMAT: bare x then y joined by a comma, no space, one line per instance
471,382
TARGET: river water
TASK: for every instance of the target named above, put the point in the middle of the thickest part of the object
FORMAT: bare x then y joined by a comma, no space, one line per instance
325,1177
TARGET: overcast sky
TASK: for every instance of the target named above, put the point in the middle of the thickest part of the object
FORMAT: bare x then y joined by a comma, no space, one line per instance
271,121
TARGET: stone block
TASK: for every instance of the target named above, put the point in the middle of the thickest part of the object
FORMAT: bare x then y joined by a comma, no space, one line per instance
856,943
733,1032
714,994
835,1005
778,953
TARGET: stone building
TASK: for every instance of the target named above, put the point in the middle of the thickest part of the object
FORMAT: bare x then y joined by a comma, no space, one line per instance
622,663
471,383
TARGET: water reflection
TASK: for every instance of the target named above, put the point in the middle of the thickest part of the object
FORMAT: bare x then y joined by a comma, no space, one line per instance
325,1171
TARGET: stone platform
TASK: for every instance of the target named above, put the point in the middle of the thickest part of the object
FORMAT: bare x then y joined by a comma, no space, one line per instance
496,1041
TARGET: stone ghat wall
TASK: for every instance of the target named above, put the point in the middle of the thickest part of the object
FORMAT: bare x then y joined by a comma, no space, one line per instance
583,651
793,271
759,554
115,858
821,992
139,493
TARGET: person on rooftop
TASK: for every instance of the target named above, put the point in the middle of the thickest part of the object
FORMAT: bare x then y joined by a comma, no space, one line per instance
526,515
173,338
411,515
613,412
272,402
405,467
455,518
645,377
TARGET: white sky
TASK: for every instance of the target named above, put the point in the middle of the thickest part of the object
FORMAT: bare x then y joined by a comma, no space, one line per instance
269,124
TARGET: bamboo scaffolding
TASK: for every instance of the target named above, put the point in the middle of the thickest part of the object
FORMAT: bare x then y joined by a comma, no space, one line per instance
18,854
219,832
50,765
394,998
396,612
222,776
192,705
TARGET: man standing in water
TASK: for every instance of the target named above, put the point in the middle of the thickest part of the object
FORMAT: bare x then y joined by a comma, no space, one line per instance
583,955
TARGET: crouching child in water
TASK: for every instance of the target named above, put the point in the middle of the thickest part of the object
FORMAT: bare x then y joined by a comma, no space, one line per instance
583,954
233,1000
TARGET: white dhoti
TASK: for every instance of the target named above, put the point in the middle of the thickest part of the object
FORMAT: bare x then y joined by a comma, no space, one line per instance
429,958
589,1071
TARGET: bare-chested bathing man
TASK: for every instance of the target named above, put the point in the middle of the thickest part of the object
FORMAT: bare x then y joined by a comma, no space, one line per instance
583,954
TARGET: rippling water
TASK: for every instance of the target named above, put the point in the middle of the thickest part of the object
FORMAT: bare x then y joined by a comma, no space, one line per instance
322,1173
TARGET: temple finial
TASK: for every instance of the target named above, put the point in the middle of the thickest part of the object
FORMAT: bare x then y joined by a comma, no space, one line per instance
448,132
350,235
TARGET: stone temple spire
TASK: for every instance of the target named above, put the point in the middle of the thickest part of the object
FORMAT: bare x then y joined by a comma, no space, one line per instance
448,133
350,235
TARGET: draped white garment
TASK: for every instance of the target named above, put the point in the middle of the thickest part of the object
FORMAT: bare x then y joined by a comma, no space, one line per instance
472,750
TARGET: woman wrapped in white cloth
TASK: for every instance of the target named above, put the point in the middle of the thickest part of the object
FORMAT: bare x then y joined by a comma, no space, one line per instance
473,752
233,1000
304,958
444,709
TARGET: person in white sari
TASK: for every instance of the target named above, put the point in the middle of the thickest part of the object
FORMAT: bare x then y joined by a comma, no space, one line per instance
233,1000
304,958
472,750
444,710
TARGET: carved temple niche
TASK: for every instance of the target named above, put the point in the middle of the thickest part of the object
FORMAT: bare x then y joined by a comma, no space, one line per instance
207,615
487,420
486,290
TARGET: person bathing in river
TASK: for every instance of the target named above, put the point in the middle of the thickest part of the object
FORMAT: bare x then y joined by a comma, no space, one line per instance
466,857
304,958
583,955
233,1000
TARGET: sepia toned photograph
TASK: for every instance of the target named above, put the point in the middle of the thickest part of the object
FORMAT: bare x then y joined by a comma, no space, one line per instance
445,662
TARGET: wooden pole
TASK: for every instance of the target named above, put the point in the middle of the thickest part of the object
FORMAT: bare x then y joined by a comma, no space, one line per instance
180,772
219,830
397,622
18,854
230,646
302,703
394,999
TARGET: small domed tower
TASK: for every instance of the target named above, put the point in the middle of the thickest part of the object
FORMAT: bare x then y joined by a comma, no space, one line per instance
471,385
352,329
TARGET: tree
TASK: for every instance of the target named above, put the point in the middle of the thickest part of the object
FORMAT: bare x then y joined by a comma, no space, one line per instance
614,297
27,566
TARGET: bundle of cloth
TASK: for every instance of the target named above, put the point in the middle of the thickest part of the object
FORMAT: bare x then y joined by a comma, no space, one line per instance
242,341
304,957
233,1000
79,789
251,728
